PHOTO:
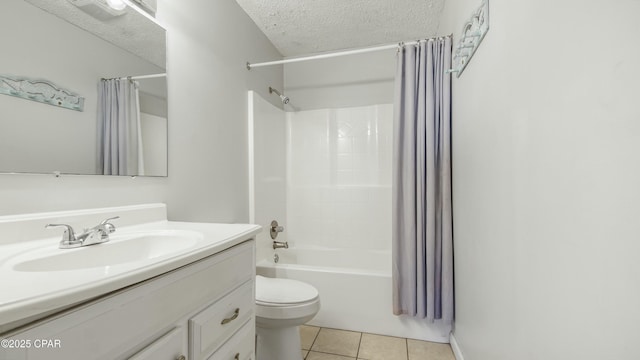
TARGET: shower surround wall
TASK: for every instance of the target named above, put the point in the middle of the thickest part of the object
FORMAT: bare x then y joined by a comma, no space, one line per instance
339,178
339,151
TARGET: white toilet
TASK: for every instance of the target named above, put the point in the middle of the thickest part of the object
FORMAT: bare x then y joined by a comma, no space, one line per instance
281,306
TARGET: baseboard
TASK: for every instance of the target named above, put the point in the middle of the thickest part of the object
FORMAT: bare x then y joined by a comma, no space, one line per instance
455,347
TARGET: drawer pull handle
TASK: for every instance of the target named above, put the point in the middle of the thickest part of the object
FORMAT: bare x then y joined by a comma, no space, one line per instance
237,357
181,357
235,316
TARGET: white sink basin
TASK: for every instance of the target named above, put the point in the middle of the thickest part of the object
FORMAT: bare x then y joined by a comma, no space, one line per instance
119,250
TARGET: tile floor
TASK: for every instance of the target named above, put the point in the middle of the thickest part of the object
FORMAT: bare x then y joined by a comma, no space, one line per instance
332,344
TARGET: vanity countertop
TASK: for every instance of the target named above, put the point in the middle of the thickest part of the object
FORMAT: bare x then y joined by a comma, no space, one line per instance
30,293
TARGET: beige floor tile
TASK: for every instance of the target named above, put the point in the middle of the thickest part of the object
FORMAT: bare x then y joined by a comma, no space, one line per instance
323,356
378,347
424,350
338,342
304,354
308,335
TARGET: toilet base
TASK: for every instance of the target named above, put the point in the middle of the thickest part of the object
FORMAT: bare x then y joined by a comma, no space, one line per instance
278,343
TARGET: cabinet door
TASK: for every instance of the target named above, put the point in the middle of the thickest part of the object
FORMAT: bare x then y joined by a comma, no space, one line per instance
169,347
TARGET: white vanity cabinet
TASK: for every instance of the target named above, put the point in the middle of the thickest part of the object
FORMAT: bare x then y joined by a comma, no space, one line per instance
204,310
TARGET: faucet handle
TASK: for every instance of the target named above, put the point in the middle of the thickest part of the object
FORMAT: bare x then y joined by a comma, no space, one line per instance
109,227
68,236
275,229
106,221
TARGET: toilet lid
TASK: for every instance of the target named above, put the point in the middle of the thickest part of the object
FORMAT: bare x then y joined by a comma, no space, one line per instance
283,291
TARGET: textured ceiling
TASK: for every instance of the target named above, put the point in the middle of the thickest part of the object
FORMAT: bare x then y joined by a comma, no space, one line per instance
298,27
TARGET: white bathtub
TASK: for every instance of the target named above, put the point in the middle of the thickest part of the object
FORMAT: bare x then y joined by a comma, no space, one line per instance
355,291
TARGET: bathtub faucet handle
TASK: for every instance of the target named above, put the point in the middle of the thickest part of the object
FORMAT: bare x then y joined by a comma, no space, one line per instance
275,229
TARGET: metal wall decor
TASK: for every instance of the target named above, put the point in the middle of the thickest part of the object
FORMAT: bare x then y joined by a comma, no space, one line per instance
472,34
42,91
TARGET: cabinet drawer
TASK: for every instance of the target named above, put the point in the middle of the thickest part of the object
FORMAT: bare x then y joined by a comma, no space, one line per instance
215,324
240,346
169,347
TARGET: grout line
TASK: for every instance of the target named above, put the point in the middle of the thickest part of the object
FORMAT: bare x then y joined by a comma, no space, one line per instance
333,328
406,344
334,354
359,344
315,338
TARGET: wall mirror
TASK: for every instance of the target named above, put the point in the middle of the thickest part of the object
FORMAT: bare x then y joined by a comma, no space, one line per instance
82,89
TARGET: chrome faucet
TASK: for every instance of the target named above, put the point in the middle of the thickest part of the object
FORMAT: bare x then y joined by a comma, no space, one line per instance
280,244
96,235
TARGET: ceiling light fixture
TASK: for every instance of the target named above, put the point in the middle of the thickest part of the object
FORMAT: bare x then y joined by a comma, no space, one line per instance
117,4
101,9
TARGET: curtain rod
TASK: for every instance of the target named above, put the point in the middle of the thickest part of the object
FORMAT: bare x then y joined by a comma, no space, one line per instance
139,77
336,54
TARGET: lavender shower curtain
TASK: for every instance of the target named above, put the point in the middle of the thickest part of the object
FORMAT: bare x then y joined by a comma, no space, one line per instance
120,135
422,216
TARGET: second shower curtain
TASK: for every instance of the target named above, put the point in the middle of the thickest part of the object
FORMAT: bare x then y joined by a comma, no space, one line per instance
120,151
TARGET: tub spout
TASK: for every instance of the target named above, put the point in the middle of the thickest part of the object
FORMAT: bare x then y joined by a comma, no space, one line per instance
280,244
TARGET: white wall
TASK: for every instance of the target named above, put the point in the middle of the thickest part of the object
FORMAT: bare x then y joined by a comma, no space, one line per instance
545,172
267,171
209,44
152,104
348,81
154,144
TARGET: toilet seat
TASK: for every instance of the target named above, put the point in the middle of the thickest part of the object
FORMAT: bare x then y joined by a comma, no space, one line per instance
285,299
283,292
